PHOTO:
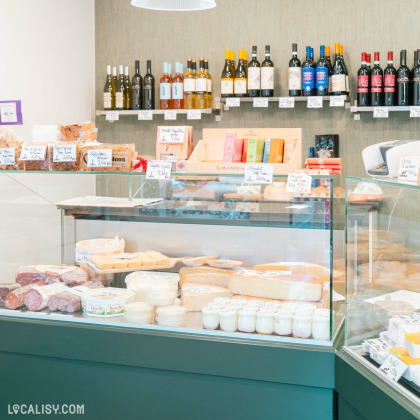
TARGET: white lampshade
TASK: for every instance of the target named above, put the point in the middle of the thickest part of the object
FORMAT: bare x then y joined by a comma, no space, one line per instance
175,5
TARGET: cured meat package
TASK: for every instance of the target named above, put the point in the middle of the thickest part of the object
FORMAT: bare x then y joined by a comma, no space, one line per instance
5,289
37,297
14,299
64,302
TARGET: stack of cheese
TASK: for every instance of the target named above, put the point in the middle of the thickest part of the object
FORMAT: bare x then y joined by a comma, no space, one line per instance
134,260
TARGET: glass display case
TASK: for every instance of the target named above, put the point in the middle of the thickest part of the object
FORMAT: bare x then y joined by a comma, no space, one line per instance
383,279
199,254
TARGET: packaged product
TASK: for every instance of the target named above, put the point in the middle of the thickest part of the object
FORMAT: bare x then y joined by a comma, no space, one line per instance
81,132
121,157
140,162
35,157
64,157
8,141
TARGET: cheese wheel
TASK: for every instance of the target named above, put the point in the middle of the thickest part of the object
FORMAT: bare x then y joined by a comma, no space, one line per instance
301,267
196,296
204,275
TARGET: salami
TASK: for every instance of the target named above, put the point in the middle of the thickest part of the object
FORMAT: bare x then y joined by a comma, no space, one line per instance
52,277
75,278
64,302
28,275
14,299
36,298
5,289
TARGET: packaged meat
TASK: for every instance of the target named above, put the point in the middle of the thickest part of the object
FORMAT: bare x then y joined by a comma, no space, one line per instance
35,157
49,273
64,302
93,284
14,299
82,132
64,157
36,298
5,289
75,278
8,141
29,274
122,157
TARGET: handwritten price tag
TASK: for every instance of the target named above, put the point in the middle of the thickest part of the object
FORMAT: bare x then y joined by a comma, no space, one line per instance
260,103
171,134
64,153
233,102
409,169
99,158
170,115
315,102
258,174
145,115
415,112
159,169
336,100
7,156
286,102
380,112
112,116
393,368
33,152
194,114
82,255
299,183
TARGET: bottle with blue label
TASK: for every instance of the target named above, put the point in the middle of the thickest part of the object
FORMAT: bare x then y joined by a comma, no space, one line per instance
308,75
321,74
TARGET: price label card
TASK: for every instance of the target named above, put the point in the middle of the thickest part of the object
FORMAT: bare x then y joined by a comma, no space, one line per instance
193,114
112,116
315,102
171,134
393,368
159,169
260,103
170,115
357,116
286,102
99,158
415,112
380,112
145,115
409,169
64,153
82,255
33,152
299,183
336,100
7,156
233,102
259,174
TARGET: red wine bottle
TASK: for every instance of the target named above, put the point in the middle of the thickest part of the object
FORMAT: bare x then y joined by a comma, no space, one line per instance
363,83
416,81
389,81
403,80
376,76
411,86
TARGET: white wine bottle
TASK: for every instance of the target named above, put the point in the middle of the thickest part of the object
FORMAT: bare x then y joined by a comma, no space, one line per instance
109,91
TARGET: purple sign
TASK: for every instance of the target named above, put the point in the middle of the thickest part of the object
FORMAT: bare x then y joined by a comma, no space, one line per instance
10,113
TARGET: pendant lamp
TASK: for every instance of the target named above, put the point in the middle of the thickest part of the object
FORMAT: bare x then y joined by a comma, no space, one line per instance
175,5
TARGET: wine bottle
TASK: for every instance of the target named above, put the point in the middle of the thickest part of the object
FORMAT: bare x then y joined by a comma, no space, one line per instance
295,74
308,75
127,85
329,65
245,58
109,90
267,75
321,74
416,81
403,80
177,88
389,81
363,83
114,76
194,73
345,69
254,75
312,54
149,88
209,84
201,87
411,85
338,82
240,81
189,86
165,88
227,77
376,76
368,62
136,87
121,93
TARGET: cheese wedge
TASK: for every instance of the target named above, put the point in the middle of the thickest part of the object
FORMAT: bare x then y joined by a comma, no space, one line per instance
101,262
159,257
146,260
205,275
196,296
301,267
134,262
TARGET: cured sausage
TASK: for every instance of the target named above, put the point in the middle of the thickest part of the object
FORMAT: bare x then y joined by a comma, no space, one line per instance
64,302
36,298
14,299
5,289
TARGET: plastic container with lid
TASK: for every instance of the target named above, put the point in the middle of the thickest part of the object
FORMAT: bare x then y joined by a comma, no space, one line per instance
139,313
222,300
228,320
302,325
145,282
210,318
171,316
265,322
103,245
283,322
161,298
321,327
247,319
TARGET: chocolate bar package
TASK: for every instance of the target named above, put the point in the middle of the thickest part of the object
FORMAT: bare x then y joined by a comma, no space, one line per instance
326,145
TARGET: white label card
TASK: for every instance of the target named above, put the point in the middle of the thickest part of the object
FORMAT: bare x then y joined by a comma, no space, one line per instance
336,100
380,112
112,116
7,156
193,114
33,152
286,102
171,134
99,158
409,169
393,368
64,153
233,102
170,115
259,174
260,103
315,102
299,183
415,112
159,169
145,115
82,255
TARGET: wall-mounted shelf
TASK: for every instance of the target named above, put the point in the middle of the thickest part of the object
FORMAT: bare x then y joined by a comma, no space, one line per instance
383,111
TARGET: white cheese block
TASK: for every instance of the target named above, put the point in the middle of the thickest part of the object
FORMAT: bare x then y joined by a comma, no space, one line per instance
196,296
285,286
205,275
301,267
